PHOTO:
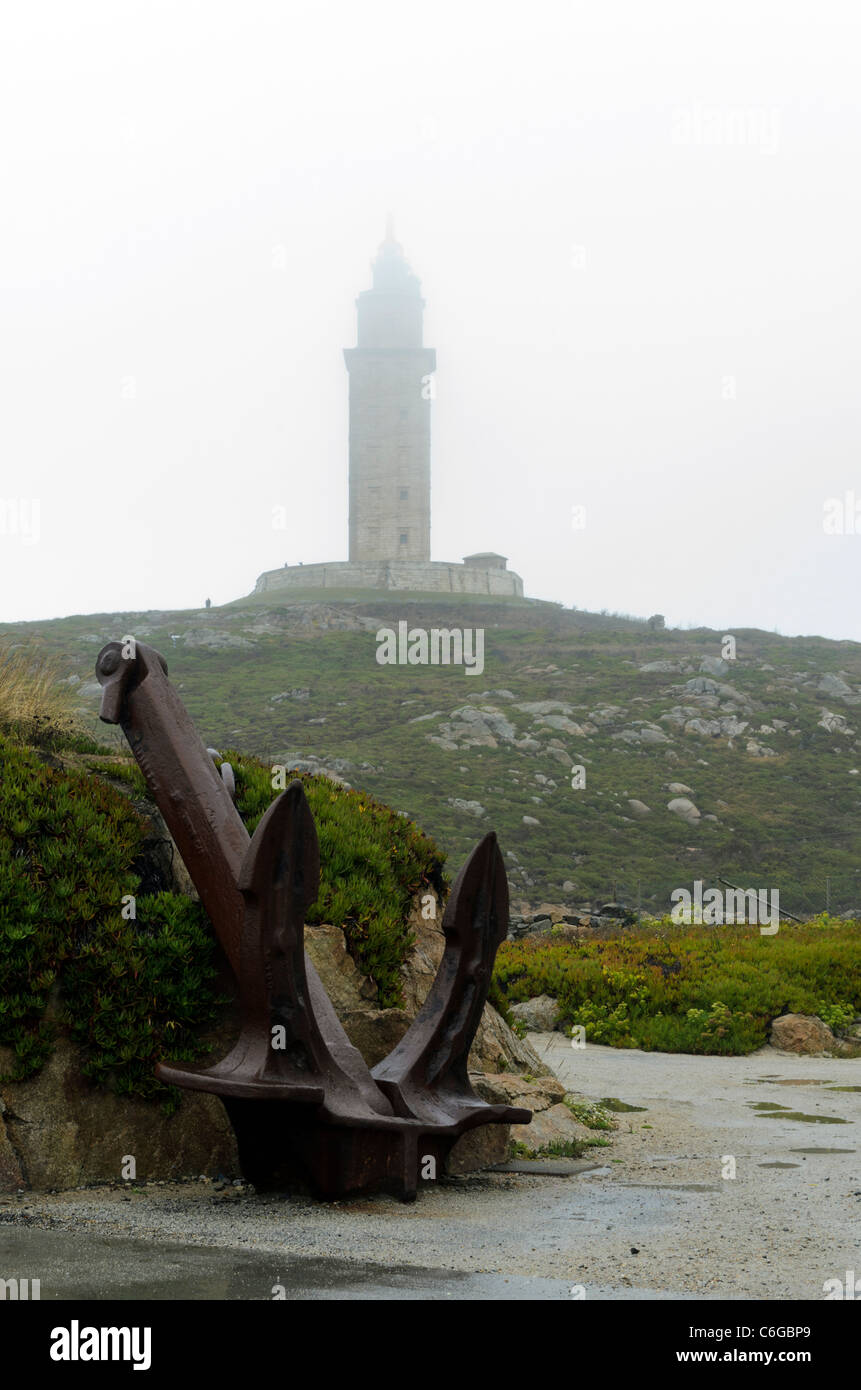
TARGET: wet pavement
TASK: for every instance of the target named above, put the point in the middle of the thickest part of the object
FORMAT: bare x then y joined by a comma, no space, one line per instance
699,1195
83,1267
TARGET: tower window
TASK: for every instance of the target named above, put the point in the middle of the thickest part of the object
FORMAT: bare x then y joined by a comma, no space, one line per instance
404,535
405,492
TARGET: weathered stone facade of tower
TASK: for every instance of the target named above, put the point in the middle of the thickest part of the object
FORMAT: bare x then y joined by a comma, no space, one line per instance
390,396
391,388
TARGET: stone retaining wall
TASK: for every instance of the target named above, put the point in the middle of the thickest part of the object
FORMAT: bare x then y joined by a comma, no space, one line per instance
419,576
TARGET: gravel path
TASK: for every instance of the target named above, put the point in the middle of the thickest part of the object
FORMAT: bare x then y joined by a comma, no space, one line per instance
655,1218
789,1219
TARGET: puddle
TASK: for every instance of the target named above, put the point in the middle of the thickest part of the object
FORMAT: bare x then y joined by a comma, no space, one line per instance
791,1081
801,1081
621,1107
805,1119
770,1109
780,1165
822,1151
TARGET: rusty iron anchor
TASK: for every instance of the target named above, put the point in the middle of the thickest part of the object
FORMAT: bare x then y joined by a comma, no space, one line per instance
302,1103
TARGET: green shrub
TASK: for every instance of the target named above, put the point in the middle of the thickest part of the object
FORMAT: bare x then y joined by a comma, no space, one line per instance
837,1016
132,991
557,1148
691,989
139,991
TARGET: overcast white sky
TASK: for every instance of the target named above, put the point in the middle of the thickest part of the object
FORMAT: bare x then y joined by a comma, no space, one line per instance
637,229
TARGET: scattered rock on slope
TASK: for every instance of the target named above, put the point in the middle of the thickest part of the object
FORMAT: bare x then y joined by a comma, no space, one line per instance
834,685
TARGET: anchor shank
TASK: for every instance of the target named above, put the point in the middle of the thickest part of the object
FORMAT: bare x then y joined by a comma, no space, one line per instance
201,817
195,803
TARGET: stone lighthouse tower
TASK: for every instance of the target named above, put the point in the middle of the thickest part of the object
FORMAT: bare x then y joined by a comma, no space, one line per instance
391,386
390,396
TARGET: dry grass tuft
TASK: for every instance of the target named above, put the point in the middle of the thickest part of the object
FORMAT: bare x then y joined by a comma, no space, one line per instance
35,703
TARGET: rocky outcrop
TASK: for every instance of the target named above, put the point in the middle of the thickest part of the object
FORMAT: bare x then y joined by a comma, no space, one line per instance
641,733
376,1031
835,723
759,750
714,666
470,808
540,1015
802,1033
834,685
469,727
333,768
58,1130
552,1120
217,639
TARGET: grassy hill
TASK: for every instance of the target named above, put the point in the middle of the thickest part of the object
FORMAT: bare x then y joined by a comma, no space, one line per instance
768,747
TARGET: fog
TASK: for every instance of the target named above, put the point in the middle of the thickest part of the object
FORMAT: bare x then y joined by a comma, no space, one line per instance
637,231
